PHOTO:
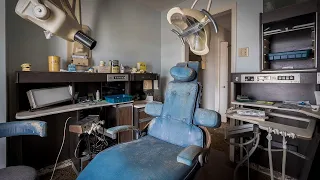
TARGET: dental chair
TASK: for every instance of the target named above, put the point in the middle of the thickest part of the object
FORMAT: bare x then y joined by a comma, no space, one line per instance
22,128
174,145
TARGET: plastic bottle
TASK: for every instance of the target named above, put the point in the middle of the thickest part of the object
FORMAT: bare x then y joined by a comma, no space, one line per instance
121,68
98,95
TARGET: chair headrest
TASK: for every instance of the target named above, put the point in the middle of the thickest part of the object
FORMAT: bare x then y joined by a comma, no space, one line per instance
183,74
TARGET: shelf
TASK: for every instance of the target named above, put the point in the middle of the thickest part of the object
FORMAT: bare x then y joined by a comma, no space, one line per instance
301,133
64,109
23,77
279,31
288,70
277,106
58,77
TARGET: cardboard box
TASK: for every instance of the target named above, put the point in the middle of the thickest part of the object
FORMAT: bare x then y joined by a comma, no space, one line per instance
81,62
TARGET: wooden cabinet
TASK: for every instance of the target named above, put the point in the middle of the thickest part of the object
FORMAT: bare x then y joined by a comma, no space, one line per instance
141,119
121,115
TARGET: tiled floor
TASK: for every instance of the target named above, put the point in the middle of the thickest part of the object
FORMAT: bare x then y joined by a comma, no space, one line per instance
218,168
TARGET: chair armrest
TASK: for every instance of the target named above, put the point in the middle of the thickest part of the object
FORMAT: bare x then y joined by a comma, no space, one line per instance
112,132
189,155
207,118
23,128
154,109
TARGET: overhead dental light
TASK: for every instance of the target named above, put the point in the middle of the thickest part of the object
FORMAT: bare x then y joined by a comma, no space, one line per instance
193,27
57,18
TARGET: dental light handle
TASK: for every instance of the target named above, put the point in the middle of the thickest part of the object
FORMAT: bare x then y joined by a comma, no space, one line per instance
54,20
269,137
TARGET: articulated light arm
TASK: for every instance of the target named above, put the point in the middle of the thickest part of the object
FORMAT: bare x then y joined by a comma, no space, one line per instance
55,17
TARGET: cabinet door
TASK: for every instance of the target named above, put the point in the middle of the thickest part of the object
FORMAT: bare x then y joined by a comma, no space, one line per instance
125,117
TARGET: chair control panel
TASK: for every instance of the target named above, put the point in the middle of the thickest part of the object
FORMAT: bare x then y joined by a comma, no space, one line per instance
271,78
117,77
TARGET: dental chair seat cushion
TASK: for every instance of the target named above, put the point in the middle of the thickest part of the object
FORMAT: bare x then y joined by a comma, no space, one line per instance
146,158
18,173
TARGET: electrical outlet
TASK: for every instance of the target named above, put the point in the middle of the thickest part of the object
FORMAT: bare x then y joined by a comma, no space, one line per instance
244,52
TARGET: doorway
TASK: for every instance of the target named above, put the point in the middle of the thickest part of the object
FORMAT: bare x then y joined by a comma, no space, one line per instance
215,78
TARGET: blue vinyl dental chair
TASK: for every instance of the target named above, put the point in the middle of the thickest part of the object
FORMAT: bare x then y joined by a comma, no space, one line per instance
21,128
175,144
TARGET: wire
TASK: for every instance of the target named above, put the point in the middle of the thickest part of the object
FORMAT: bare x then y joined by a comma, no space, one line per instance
62,144
269,137
194,4
75,151
209,5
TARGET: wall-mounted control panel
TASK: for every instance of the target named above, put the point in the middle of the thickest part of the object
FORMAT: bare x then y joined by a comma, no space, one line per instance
271,78
117,77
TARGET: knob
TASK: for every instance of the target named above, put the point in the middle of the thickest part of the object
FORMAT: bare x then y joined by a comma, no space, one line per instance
41,12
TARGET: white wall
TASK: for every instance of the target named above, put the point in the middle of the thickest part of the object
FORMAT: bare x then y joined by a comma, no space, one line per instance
125,31
248,20
25,44
247,36
3,84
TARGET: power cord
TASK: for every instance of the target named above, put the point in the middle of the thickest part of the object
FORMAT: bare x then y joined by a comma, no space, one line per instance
62,144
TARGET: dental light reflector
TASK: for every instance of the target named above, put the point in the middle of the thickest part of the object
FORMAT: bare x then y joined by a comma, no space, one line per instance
193,27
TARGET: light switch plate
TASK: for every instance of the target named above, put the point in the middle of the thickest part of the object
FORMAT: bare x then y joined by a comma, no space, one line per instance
244,52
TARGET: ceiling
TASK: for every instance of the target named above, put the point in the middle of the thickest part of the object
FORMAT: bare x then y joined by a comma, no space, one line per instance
223,19
160,5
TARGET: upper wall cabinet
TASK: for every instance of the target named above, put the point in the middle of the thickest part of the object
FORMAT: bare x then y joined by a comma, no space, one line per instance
289,38
270,5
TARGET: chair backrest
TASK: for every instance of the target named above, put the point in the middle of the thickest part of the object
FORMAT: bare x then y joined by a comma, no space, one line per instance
175,125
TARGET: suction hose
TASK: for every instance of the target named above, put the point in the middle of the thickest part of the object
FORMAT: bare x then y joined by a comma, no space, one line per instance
269,137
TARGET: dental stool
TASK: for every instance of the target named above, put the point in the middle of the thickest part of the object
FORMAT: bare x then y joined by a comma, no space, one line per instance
21,128
174,145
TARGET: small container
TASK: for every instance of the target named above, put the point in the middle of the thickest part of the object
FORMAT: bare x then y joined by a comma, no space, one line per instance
98,95
118,98
54,63
122,69
26,67
72,68
115,69
142,66
115,66
102,63
115,63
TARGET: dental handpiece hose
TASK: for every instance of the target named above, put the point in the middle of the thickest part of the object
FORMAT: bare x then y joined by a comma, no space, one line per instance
256,132
269,137
284,157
